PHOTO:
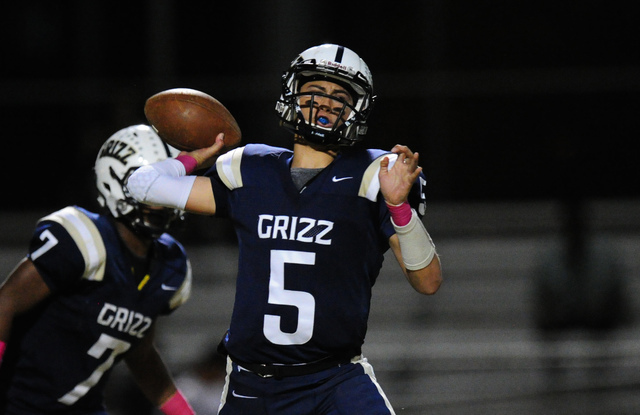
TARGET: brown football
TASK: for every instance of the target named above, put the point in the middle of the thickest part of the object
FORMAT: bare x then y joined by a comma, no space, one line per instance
189,119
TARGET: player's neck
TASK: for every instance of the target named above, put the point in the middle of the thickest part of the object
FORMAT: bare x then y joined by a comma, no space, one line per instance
306,157
137,245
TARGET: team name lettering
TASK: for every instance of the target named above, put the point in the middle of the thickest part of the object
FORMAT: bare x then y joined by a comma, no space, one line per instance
124,320
293,228
118,150
339,66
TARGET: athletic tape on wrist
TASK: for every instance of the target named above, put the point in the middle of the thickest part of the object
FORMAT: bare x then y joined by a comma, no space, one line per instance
189,162
415,243
401,214
177,405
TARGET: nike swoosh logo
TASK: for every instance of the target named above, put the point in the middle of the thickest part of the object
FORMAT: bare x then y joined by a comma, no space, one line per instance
168,287
237,395
339,179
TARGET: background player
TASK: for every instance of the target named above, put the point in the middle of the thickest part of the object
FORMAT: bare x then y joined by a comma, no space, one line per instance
88,293
312,230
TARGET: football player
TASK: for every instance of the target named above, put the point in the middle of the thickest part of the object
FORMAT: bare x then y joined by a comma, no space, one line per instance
88,293
313,225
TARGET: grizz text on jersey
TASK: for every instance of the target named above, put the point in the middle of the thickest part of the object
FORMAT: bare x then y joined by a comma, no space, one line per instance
124,320
293,228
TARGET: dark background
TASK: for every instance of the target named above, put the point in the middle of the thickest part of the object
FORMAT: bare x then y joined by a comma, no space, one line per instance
520,111
504,100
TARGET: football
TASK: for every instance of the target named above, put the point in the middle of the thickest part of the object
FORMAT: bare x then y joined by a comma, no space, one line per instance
188,119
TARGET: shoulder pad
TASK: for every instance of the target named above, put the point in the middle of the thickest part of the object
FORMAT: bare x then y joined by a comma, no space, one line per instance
370,185
86,236
228,168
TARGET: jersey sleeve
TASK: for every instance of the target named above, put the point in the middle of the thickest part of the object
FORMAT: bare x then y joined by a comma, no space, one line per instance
66,246
184,292
174,270
226,176
370,184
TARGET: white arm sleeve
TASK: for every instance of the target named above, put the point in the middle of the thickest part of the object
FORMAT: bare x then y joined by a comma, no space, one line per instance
161,184
415,243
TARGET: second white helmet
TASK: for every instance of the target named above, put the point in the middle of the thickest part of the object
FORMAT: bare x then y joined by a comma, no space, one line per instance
121,154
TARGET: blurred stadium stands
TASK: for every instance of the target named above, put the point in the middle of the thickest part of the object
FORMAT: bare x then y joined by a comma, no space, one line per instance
474,347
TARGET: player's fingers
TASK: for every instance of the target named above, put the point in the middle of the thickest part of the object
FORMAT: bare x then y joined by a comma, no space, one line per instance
384,165
413,160
205,156
215,147
398,148
219,143
416,173
402,158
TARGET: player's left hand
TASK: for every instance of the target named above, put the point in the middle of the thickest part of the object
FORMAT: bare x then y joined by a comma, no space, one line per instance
396,182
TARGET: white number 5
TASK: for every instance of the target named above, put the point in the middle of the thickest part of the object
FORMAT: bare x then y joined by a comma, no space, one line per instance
303,301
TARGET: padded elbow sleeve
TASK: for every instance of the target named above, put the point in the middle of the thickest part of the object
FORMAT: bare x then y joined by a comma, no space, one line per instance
161,184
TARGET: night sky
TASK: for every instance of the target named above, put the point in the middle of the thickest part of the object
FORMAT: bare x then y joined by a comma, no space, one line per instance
503,100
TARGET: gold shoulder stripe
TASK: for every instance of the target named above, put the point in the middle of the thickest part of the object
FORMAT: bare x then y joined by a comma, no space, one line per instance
87,237
228,167
370,185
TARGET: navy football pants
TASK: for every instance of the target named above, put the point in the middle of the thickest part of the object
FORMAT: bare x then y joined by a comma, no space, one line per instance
347,390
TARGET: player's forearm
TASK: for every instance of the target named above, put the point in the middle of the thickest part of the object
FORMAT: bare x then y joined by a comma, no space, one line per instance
415,249
415,242
3,346
426,280
177,405
161,184
5,325
22,290
6,318
149,371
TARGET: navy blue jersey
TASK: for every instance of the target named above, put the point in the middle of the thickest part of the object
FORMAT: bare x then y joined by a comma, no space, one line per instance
59,354
308,259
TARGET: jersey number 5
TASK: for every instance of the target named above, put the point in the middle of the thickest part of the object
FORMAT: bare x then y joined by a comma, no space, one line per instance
303,301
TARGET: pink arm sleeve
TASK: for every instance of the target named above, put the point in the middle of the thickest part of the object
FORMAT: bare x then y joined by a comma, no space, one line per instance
177,405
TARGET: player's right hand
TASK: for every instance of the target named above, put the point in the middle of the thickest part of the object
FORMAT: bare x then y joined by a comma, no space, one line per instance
206,157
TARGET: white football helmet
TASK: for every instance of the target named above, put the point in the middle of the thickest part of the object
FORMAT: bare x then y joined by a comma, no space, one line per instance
336,64
119,156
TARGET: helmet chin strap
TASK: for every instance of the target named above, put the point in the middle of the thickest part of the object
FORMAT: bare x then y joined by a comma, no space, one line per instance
137,220
138,230
330,149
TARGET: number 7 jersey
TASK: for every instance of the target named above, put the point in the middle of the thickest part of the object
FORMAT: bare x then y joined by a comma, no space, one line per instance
60,352
308,259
